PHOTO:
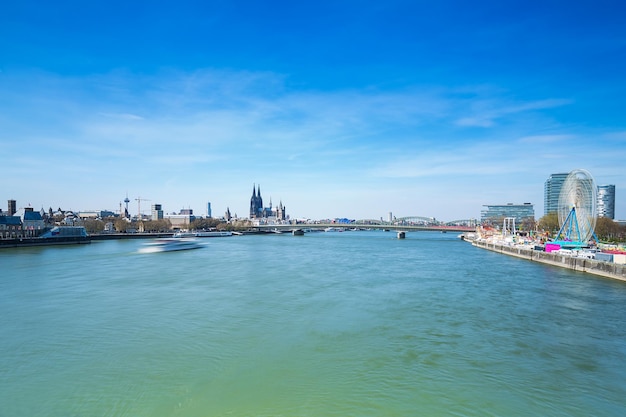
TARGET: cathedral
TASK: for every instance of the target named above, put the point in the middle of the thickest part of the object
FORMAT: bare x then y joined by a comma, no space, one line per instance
257,211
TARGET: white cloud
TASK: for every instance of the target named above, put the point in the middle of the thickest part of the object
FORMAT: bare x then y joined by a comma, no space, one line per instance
546,139
123,116
486,112
182,138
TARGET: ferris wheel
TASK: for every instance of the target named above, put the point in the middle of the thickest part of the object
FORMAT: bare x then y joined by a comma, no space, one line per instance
577,207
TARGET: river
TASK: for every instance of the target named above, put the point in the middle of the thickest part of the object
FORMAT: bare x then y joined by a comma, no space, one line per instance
325,324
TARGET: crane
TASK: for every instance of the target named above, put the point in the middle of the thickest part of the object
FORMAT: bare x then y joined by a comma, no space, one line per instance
139,200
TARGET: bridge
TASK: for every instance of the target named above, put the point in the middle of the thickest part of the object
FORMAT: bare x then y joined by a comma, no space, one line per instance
405,224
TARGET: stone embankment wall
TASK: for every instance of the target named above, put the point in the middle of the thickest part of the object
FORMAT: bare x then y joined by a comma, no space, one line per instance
591,266
43,241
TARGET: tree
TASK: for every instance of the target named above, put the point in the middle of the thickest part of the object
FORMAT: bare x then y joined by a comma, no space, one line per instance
549,223
120,225
237,225
161,225
199,224
93,226
607,229
528,224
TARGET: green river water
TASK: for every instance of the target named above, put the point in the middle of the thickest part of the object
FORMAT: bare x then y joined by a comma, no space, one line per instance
326,324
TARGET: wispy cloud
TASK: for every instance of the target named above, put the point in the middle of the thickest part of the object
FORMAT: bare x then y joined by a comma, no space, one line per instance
123,116
546,139
178,133
487,112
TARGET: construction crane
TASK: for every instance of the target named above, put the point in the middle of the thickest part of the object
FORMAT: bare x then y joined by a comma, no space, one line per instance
139,200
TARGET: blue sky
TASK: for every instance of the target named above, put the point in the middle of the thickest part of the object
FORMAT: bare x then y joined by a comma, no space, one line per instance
337,109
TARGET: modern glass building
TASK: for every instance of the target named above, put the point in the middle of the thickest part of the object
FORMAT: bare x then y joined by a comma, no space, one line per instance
495,214
552,189
606,201
157,212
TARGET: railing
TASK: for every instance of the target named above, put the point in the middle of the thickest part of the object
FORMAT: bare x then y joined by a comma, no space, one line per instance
317,226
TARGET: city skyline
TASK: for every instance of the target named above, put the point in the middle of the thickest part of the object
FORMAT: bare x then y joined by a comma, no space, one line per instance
337,110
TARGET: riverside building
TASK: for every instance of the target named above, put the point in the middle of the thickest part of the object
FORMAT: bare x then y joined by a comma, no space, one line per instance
12,207
257,211
157,212
181,220
552,189
606,201
495,214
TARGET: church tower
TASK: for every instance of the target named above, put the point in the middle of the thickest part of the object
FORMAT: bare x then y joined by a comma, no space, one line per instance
256,203
253,202
259,207
280,212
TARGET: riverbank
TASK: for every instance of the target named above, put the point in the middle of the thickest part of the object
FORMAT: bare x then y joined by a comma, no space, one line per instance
72,240
591,266
115,236
44,241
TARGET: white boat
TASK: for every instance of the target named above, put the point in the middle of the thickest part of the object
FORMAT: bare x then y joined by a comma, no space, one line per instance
214,234
169,244
203,234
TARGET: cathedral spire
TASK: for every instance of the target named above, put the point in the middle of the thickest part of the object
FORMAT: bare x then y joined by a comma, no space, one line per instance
256,202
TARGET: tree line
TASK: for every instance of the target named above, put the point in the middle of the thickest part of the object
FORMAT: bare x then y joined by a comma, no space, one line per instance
606,229
120,225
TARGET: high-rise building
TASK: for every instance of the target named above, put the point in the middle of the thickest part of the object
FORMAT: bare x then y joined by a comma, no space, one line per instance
12,207
208,210
552,189
606,201
157,212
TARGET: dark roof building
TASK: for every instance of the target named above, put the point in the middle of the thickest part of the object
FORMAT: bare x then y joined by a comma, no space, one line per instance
10,227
